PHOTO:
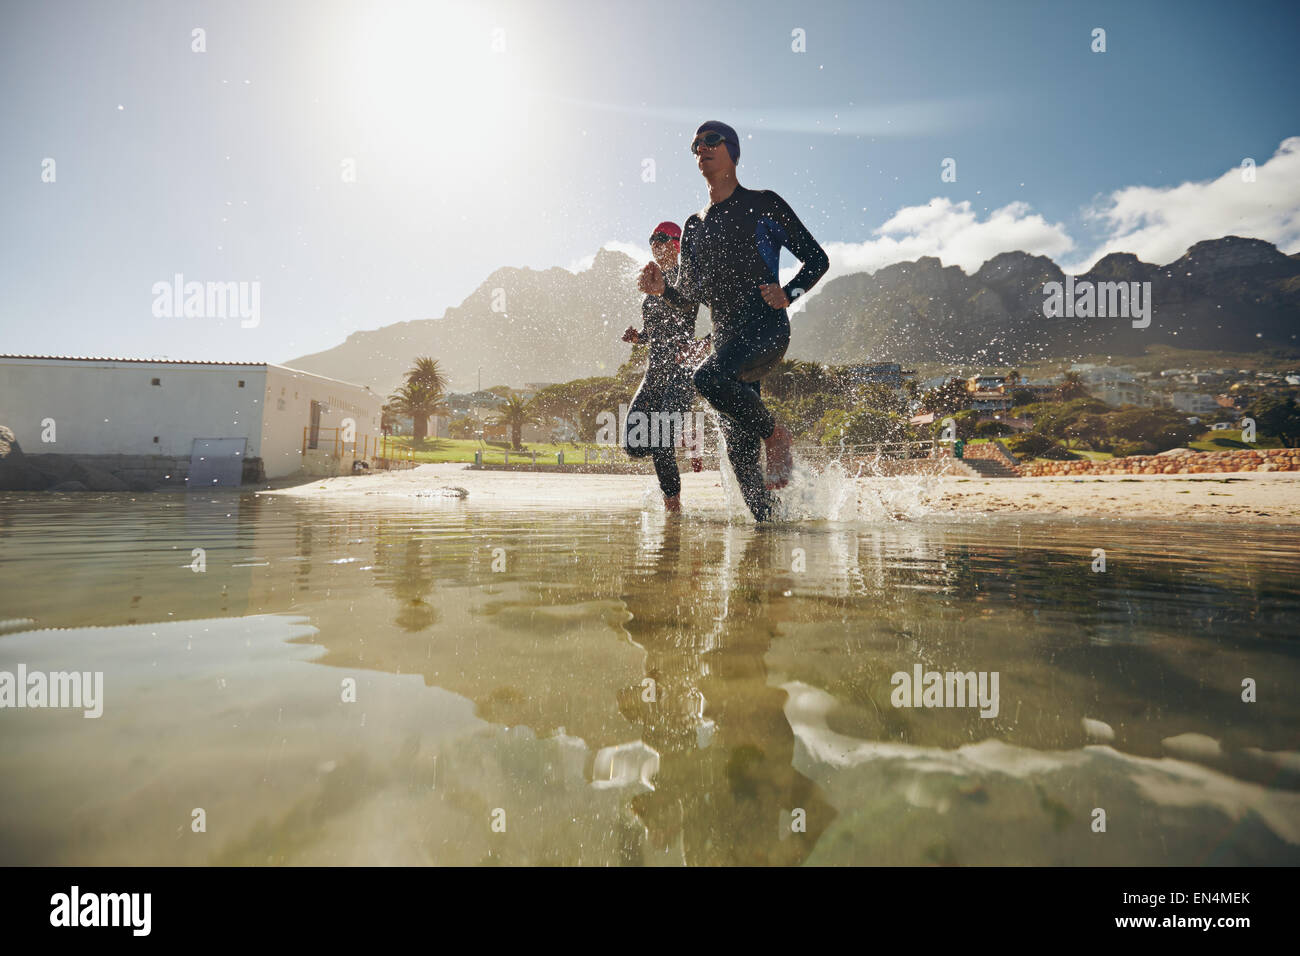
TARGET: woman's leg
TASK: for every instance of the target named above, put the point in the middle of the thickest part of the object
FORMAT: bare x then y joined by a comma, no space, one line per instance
652,396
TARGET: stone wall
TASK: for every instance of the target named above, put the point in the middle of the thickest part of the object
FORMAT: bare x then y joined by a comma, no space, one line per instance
1179,462
109,472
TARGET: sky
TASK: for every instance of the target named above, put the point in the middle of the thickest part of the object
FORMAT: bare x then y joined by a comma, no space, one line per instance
357,164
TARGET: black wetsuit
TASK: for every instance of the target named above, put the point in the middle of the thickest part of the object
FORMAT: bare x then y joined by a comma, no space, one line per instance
666,388
728,250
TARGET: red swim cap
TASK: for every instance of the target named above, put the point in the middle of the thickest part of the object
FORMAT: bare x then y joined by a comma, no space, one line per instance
675,235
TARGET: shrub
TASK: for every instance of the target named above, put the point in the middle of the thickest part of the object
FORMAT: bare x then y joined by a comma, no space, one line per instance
992,429
1058,453
1123,449
1030,445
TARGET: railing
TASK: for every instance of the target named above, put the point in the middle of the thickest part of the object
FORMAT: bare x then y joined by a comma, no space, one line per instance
898,450
385,452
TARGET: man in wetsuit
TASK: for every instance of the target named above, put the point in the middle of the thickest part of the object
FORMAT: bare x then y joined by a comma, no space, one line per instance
665,394
730,256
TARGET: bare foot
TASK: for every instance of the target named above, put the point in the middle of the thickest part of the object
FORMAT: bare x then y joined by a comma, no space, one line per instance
780,461
673,504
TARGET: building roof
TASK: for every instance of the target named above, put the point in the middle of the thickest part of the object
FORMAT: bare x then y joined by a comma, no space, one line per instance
105,358
111,358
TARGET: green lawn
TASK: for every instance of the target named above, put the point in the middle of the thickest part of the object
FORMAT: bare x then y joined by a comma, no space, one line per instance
1093,455
463,449
1230,439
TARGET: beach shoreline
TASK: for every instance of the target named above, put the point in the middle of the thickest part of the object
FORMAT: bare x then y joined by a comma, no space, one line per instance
1263,498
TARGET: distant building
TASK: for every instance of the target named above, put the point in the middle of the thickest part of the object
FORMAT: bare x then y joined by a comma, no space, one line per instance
213,414
986,383
1106,374
1194,403
889,374
480,403
989,401
436,427
1125,393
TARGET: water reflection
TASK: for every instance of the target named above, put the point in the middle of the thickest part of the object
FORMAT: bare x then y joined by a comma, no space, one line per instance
727,790
632,689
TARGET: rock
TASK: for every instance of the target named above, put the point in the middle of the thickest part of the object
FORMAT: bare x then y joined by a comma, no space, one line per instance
19,474
1098,730
59,468
9,447
97,479
1193,747
1175,451
69,486
17,471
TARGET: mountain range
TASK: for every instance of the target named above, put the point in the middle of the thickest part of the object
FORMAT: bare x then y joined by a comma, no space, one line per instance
524,325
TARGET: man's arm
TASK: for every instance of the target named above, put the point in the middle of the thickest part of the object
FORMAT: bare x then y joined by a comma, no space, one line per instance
813,258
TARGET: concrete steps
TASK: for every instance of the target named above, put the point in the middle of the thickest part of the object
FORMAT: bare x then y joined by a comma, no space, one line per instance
988,468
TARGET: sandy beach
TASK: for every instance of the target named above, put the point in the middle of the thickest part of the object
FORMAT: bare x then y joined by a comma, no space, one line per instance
1272,499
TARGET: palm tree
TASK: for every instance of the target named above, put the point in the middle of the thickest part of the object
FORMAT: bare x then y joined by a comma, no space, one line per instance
418,401
426,372
516,413
1071,387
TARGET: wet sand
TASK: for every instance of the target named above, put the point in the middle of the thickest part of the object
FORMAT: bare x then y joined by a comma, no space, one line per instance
1266,498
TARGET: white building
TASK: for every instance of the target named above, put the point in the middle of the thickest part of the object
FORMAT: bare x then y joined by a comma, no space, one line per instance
1108,375
293,421
1124,393
1194,403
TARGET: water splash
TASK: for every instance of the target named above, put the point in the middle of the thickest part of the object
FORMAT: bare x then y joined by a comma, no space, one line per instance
830,491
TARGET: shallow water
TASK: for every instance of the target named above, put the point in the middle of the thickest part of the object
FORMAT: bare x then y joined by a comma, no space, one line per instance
503,716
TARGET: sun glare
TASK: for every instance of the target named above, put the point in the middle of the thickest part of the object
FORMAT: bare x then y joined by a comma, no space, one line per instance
432,84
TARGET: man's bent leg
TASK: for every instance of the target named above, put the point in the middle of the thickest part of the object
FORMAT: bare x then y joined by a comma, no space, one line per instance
724,377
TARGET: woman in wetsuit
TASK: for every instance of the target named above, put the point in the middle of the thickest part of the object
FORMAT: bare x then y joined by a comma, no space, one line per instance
665,394
730,257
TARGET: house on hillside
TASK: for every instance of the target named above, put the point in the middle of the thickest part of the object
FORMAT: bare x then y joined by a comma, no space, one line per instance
889,374
1194,403
986,383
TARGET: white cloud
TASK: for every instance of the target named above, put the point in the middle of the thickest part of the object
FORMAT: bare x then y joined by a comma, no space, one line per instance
1156,224
954,233
1159,224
